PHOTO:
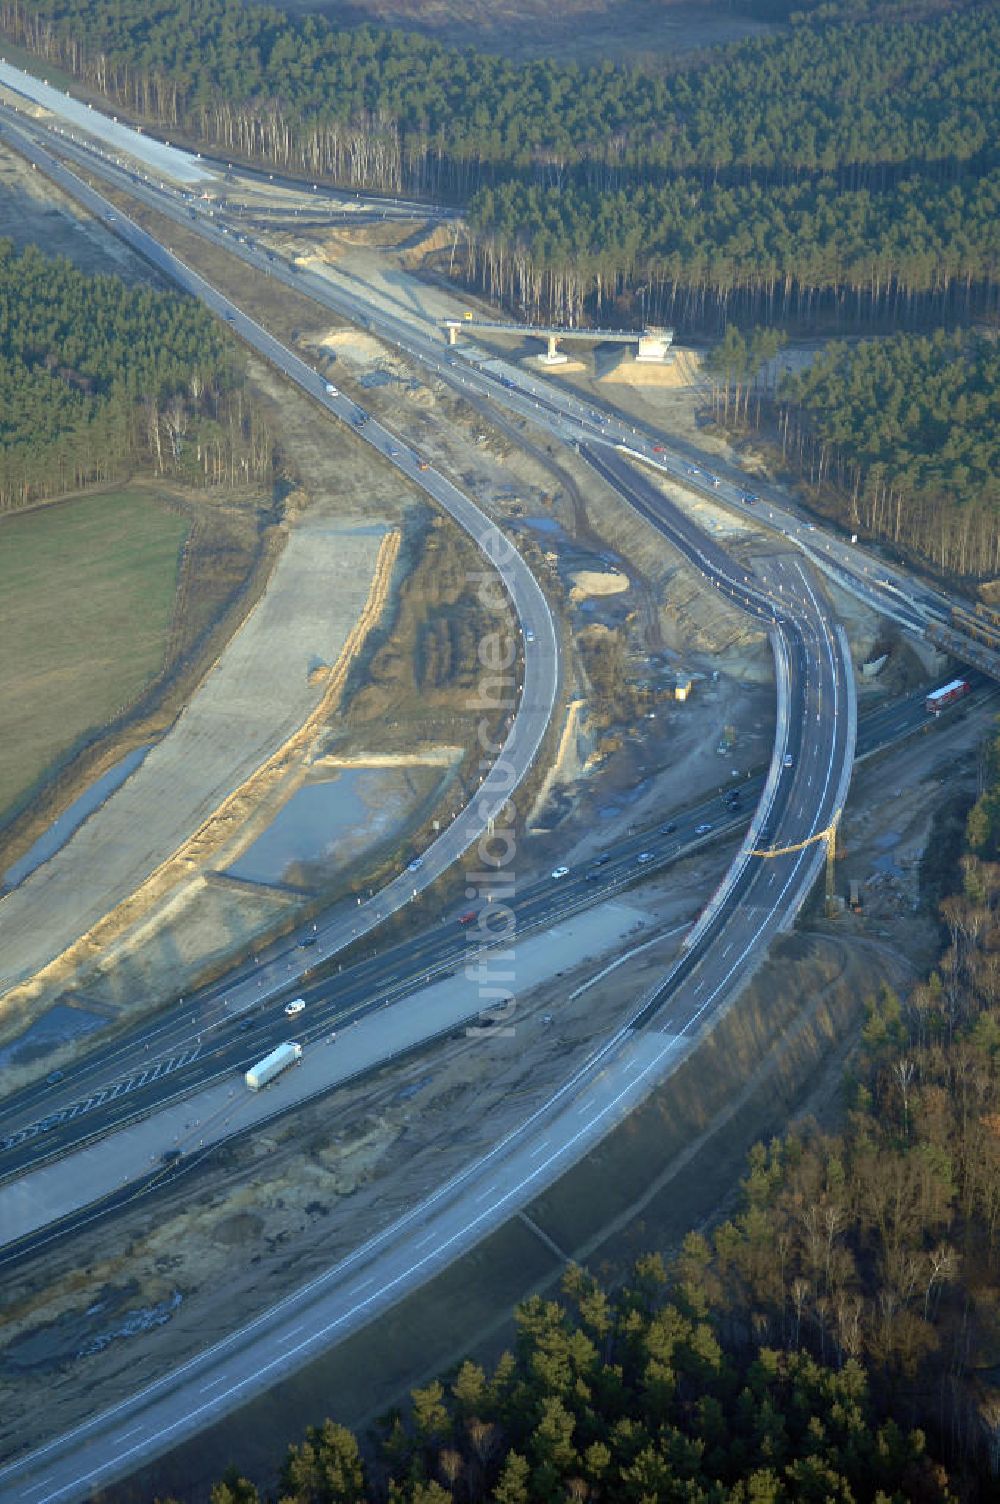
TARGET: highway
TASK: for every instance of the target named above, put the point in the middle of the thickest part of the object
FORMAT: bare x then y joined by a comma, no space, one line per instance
771,875
189,1053
527,688
186,1052
806,784
911,603
156,1063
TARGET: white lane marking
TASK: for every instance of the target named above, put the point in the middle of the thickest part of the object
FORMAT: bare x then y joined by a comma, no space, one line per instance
214,1384
427,1238
538,1149
365,1283
36,1486
289,1335
488,1192
608,1049
133,1432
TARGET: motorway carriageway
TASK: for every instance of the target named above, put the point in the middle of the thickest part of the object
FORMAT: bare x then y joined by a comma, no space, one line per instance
911,603
191,1049
665,1025
540,662
277,985
67,1123
532,700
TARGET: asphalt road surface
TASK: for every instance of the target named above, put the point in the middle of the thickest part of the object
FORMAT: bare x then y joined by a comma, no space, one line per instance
526,688
170,1058
763,894
772,873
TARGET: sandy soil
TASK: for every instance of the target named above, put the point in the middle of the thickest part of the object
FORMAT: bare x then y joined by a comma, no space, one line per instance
888,822
265,682
269,1212
328,461
258,693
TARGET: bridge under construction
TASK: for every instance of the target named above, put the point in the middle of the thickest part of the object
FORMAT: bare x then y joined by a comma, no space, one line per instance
652,343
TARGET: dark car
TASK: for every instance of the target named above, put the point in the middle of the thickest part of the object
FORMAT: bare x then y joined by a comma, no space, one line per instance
54,1077
170,1156
669,828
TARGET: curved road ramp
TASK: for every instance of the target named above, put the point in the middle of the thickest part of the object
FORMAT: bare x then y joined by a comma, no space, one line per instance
759,898
763,891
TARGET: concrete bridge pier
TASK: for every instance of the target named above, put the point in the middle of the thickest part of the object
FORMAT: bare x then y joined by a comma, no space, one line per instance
553,355
653,345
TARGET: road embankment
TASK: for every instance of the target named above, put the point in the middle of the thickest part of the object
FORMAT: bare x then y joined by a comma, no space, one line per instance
250,718
672,1165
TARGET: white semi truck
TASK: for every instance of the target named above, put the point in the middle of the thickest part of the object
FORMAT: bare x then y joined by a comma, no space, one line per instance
272,1065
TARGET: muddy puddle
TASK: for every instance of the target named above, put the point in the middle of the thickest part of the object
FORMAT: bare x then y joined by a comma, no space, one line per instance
573,557
333,821
80,1334
59,832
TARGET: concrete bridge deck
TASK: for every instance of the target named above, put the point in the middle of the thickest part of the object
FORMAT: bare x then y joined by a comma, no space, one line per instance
652,342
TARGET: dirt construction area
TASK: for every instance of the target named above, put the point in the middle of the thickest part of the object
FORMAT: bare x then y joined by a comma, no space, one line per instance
260,691
34,212
87,1322
273,673
265,1213
568,525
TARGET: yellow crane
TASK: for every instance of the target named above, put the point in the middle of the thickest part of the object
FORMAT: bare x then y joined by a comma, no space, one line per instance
829,835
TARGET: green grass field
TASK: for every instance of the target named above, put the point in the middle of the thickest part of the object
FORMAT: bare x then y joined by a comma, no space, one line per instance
87,589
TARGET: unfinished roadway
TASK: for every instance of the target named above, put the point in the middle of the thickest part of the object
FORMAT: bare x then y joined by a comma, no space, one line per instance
758,899
259,692
810,770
